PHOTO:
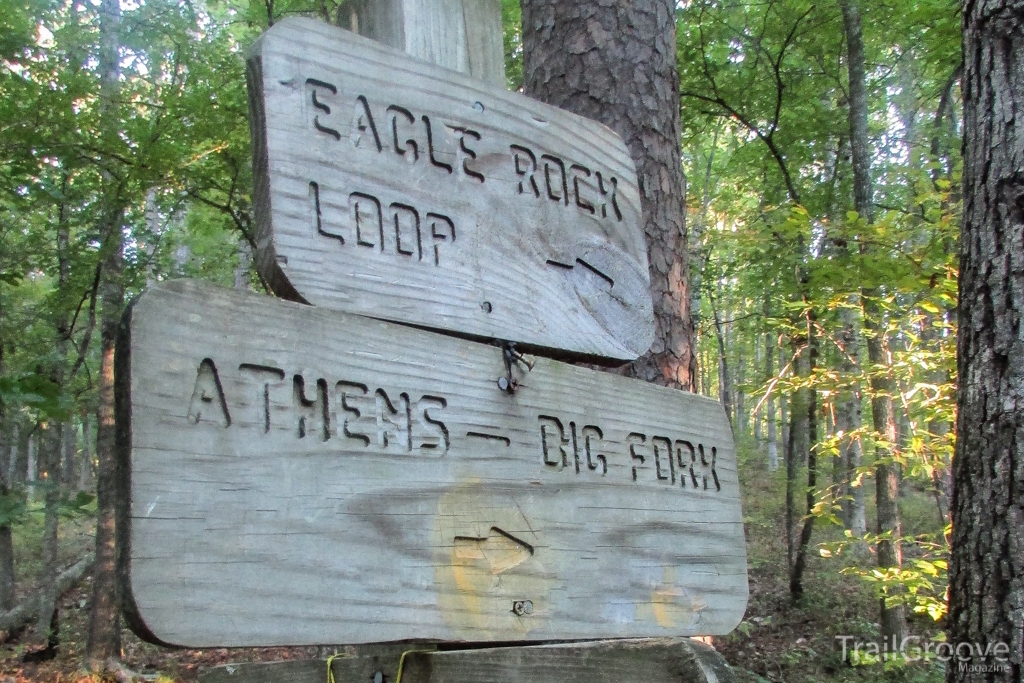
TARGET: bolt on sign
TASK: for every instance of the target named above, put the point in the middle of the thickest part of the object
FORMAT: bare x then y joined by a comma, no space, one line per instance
302,476
394,188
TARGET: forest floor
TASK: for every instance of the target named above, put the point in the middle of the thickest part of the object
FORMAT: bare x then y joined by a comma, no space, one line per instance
778,641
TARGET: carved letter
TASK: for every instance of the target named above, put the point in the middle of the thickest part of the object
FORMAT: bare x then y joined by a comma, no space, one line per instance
580,201
686,462
591,443
430,148
350,396
553,441
368,219
394,110
314,415
464,152
263,377
314,85
208,397
411,225
318,217
604,196
439,226
547,178
707,469
663,446
436,433
525,174
393,424
636,439
362,121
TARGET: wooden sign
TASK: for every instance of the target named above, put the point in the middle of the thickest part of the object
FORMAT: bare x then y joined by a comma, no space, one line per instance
394,188
651,660
301,476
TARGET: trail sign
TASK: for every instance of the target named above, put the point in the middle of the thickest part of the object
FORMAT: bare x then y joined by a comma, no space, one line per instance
303,476
394,188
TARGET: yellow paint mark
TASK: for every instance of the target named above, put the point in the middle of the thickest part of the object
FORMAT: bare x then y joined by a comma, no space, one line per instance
672,606
489,556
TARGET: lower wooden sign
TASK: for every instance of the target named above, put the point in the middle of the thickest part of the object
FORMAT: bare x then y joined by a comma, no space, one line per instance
299,476
650,660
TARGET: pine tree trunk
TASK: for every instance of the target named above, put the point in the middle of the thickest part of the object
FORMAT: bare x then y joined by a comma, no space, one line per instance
987,566
104,640
616,63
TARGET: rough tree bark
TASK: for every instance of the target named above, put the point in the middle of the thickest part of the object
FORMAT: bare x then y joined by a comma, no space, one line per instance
104,640
616,63
986,575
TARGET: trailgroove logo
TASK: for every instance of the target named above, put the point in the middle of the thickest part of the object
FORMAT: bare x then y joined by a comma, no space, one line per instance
969,657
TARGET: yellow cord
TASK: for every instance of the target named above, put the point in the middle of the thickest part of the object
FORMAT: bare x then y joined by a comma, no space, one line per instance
330,670
398,676
401,662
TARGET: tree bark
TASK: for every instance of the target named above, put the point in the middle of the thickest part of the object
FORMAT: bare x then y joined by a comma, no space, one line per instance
104,640
616,63
986,575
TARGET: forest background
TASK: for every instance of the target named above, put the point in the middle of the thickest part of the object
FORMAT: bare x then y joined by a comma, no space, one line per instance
823,270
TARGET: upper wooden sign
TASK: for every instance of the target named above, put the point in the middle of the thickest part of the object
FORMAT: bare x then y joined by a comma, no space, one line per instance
394,188
300,476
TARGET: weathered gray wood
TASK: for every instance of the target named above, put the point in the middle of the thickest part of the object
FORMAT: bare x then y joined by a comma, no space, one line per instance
462,35
302,476
652,660
390,187
348,667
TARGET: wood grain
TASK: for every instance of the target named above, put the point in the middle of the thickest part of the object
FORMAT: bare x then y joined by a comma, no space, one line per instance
462,35
300,476
651,660
394,188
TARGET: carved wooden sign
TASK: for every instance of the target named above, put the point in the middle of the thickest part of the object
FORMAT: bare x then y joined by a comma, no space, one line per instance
302,476
394,188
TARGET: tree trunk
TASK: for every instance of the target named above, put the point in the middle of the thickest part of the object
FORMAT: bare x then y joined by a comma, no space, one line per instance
796,576
986,575
893,619
85,464
797,446
850,420
104,641
616,63
31,464
10,445
784,409
51,442
769,371
54,445
724,393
